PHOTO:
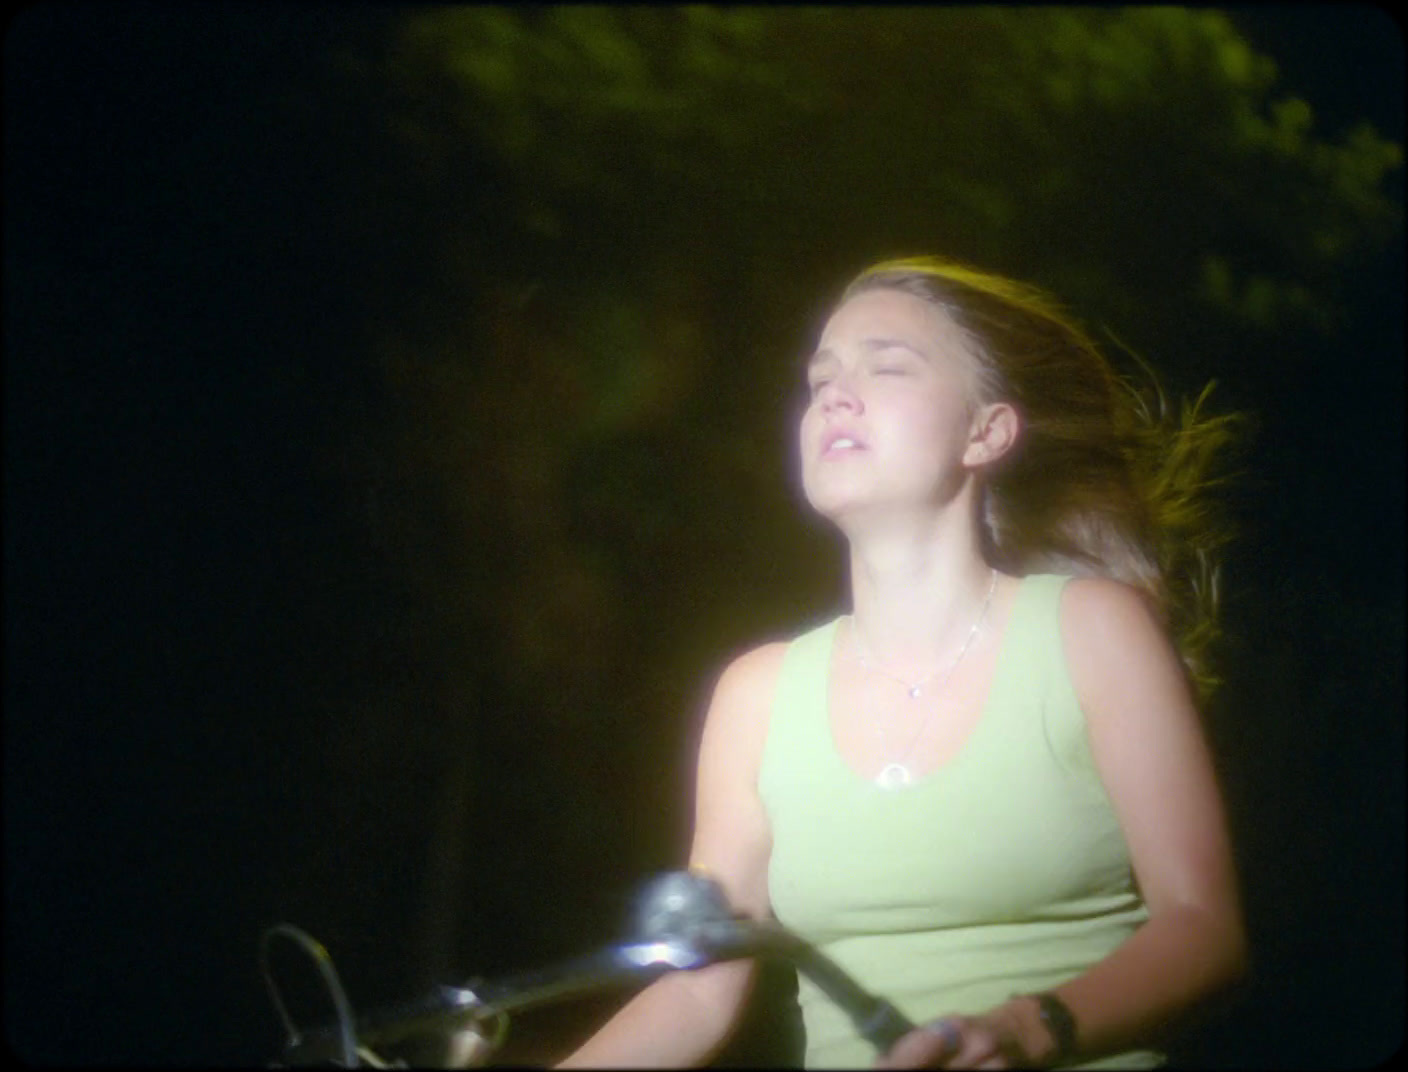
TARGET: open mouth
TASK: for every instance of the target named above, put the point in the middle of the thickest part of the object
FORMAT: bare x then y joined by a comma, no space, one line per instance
837,444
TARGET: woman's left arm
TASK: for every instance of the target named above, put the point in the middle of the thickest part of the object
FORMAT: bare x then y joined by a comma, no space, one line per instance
1155,764
1151,754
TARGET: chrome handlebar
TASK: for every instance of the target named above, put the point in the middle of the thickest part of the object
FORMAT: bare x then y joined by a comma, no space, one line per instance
682,922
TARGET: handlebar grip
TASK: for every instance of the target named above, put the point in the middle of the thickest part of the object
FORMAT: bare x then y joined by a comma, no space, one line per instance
878,1022
885,1026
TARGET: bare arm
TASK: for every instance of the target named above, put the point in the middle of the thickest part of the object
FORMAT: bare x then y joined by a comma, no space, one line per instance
684,1017
1150,752
1154,762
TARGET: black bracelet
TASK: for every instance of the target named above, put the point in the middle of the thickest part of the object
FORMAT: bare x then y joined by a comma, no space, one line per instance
1059,1021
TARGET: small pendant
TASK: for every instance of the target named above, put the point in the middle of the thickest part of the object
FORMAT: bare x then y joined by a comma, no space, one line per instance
892,776
914,692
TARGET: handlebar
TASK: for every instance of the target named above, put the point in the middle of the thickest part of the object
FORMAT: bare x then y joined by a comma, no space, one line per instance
683,923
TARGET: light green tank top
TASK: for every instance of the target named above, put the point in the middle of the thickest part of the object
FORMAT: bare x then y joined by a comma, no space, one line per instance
1004,871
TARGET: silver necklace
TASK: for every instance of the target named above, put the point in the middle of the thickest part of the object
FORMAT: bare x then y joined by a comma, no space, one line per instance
895,774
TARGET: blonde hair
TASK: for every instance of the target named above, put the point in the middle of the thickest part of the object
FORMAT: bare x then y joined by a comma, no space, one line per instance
1104,479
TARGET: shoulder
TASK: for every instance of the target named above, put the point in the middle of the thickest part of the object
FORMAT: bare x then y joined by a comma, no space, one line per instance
746,684
741,707
1117,649
756,664
1100,607
739,713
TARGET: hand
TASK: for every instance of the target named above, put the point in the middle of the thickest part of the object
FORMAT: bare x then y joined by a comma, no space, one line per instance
959,1042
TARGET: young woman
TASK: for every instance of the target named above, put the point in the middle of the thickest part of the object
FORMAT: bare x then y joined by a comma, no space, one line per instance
984,792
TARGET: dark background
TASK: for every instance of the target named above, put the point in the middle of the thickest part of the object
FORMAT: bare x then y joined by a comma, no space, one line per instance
383,487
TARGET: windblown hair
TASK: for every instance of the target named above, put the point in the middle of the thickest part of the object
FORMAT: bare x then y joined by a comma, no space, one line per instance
1104,479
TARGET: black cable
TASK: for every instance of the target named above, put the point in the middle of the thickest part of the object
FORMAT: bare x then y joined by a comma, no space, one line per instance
346,1028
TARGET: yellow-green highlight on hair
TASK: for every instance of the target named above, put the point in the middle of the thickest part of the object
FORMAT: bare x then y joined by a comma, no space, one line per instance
1106,477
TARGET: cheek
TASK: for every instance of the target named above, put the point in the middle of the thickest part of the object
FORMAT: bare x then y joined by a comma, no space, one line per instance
807,427
803,432
935,441
933,422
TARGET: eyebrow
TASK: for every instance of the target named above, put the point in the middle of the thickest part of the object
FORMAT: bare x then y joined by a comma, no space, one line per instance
872,344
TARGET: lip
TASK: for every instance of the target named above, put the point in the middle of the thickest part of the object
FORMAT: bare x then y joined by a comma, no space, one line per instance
833,435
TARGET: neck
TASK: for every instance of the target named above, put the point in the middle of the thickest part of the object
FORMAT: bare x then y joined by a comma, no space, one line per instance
916,590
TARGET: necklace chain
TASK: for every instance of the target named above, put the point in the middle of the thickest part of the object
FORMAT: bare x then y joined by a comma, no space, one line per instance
894,773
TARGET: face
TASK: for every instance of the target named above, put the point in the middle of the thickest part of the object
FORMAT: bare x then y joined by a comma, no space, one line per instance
893,402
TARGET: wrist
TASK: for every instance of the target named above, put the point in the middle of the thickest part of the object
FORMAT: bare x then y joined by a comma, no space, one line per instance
1045,1029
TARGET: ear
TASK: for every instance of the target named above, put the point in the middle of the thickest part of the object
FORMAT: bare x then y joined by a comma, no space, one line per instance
996,427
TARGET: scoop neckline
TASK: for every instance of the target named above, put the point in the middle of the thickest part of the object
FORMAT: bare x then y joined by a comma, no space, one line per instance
922,781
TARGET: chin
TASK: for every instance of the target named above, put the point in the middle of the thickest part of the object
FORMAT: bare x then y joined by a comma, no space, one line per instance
826,501
835,505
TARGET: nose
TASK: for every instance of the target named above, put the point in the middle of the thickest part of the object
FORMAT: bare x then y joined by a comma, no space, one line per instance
838,394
